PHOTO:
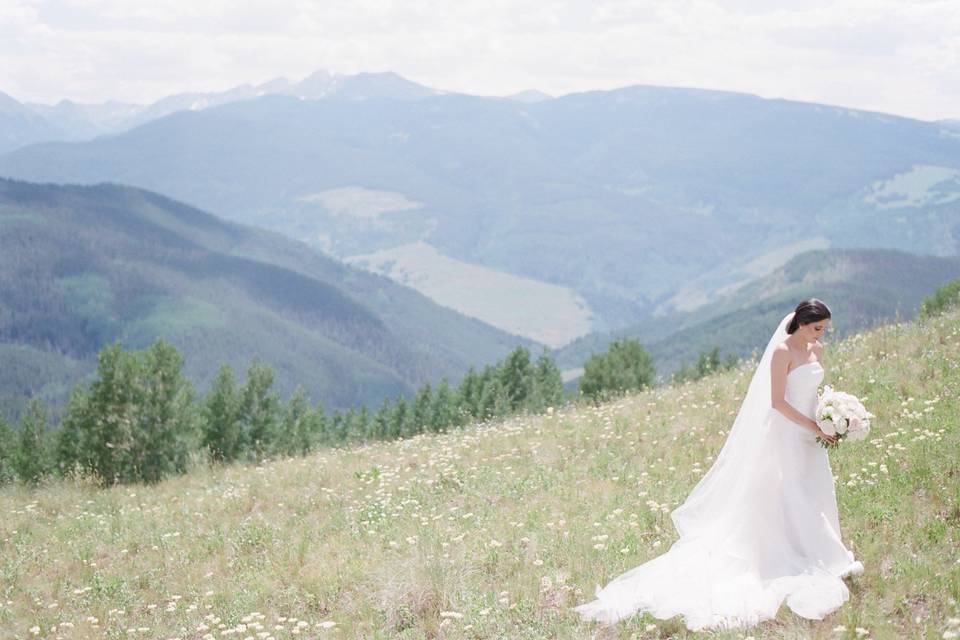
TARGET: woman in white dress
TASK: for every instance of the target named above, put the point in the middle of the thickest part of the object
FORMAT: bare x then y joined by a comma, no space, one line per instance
761,526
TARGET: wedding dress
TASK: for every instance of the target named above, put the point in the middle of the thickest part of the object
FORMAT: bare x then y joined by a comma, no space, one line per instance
760,528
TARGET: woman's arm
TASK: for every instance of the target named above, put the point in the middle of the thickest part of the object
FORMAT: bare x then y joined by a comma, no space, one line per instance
779,363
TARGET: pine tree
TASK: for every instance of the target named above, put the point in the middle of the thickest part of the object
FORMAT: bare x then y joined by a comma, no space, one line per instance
399,419
625,366
165,423
493,398
259,411
295,437
422,409
317,427
7,447
516,379
222,433
382,421
30,461
547,384
360,425
468,396
443,413
70,451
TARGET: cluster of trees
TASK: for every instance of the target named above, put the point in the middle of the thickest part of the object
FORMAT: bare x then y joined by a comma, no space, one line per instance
625,366
945,297
707,363
140,420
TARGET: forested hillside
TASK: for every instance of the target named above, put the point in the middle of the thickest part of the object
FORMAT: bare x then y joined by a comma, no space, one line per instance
82,267
636,199
863,287
495,530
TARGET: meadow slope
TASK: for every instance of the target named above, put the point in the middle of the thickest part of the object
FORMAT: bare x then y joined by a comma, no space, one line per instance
496,530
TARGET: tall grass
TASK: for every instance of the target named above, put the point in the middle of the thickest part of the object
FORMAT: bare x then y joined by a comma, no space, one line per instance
496,530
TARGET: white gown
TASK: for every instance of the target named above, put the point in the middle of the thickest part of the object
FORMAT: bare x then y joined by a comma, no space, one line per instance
740,569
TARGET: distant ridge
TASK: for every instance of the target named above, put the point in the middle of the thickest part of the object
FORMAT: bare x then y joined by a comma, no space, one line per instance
82,267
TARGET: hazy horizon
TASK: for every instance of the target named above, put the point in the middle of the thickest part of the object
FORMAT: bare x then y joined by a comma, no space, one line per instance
900,57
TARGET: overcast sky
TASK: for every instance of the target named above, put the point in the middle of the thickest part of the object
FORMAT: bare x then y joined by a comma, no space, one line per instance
896,56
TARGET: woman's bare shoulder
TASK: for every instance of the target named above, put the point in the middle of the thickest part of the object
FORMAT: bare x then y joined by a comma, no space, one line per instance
780,358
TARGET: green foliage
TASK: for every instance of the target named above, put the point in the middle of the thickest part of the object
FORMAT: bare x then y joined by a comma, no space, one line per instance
298,428
422,409
443,412
135,422
625,366
493,397
517,379
222,435
259,412
468,395
110,263
945,297
30,460
547,384
707,363
7,446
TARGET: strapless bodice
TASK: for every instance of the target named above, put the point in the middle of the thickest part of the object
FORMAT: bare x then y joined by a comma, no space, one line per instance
802,384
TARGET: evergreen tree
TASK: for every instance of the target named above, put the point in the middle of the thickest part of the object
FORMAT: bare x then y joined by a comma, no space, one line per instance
360,425
443,413
547,383
8,445
625,366
30,462
136,422
295,432
493,398
164,423
316,427
708,362
422,408
69,449
259,411
399,419
382,421
222,434
516,379
468,396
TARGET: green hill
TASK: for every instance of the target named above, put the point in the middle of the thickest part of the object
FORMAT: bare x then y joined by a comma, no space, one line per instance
494,531
81,267
626,197
863,287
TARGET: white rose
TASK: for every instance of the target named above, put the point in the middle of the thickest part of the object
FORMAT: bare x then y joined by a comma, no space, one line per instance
827,427
840,425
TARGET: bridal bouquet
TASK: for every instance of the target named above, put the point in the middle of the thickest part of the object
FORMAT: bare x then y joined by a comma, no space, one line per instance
843,415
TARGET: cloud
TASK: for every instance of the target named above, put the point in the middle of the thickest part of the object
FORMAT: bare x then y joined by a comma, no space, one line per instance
899,56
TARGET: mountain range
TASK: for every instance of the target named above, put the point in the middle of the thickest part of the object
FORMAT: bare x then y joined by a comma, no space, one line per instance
600,209
85,266
30,122
862,288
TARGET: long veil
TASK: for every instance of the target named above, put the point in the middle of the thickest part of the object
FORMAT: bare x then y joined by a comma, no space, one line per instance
728,479
759,528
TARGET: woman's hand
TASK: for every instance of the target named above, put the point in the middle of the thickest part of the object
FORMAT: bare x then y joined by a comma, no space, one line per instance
825,437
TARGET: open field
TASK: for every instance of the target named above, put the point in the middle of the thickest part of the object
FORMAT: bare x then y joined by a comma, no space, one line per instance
493,531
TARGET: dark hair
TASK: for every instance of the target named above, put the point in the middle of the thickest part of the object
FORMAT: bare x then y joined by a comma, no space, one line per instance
808,311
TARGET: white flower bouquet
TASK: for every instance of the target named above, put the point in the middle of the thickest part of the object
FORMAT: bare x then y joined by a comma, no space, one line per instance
843,415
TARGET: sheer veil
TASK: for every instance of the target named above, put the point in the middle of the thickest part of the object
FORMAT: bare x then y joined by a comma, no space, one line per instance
760,527
727,487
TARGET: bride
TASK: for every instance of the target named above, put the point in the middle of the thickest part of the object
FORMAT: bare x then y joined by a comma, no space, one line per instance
761,526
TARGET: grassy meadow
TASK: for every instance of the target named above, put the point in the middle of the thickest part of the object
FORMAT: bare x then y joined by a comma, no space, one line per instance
493,531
